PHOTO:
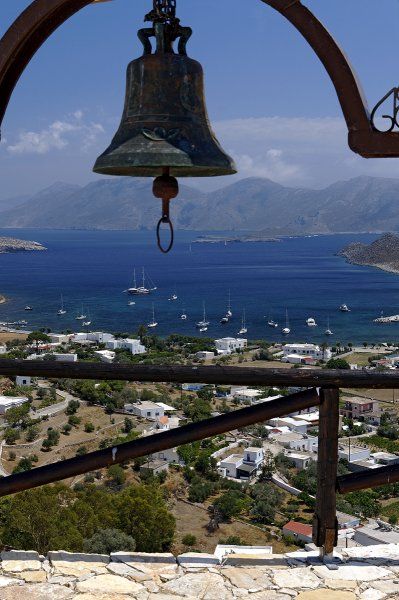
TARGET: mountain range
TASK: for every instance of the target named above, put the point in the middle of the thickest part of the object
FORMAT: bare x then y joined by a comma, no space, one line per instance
252,204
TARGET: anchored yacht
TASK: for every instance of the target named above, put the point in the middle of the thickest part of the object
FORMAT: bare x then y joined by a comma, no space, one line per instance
344,308
286,330
311,322
243,325
141,290
153,322
203,325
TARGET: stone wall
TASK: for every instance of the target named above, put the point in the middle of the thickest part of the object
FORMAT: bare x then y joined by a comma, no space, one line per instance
370,573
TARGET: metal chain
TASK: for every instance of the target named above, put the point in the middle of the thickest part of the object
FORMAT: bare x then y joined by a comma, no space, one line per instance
165,8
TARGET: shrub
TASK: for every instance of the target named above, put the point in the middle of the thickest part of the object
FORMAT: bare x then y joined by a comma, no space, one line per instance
189,539
105,541
89,427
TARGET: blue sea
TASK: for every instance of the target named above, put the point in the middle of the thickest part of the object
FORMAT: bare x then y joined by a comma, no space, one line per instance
302,275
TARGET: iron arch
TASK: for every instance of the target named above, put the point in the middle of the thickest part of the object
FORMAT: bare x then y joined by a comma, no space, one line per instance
42,17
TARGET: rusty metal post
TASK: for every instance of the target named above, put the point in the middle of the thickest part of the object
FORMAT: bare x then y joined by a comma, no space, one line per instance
325,525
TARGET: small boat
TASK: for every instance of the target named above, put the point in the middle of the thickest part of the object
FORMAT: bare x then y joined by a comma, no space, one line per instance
271,322
183,316
224,320
62,310
203,329
131,303
173,297
328,330
141,290
286,330
311,322
28,308
243,325
344,308
82,316
203,325
22,322
88,322
153,323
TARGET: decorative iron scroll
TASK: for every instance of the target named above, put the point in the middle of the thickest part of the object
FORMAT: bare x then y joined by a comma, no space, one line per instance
394,122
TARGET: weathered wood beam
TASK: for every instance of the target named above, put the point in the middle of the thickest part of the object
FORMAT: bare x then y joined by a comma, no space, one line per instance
353,482
216,374
325,525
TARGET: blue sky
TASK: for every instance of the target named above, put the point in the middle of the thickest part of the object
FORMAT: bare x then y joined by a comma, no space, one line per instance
270,101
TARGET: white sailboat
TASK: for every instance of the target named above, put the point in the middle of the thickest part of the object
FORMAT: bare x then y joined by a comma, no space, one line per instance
344,308
173,297
203,325
311,322
82,316
141,290
243,325
183,316
153,322
28,307
286,330
62,310
131,303
88,322
228,314
328,330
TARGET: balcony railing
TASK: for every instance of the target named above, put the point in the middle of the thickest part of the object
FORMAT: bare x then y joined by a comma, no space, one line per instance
320,388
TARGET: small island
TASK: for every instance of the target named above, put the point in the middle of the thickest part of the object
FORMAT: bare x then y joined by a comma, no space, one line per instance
215,239
14,245
382,253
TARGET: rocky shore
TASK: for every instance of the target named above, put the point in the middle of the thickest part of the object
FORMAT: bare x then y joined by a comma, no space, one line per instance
382,253
15,245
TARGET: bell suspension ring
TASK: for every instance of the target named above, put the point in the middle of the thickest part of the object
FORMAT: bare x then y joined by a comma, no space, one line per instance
166,188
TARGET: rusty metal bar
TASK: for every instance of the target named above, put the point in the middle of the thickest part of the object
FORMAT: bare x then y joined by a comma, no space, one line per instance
158,442
353,482
325,525
215,374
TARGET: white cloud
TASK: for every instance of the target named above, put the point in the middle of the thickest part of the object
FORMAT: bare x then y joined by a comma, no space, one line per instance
57,136
298,151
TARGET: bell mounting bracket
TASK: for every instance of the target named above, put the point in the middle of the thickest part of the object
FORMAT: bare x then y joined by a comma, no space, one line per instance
165,28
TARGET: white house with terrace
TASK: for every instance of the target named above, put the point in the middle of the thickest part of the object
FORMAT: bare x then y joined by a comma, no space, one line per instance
300,353
242,466
229,345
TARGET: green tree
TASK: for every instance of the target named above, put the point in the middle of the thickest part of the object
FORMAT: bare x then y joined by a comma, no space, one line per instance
72,408
106,541
89,427
17,416
230,504
11,436
38,337
32,433
127,425
116,475
338,363
142,514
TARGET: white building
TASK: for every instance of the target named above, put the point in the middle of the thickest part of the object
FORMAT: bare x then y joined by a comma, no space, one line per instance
242,466
306,444
106,356
300,459
132,345
303,351
101,337
146,409
23,380
353,453
7,402
294,424
65,357
228,345
205,355
59,338
246,395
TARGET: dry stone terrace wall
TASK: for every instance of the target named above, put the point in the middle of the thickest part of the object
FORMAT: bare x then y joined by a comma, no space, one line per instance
367,573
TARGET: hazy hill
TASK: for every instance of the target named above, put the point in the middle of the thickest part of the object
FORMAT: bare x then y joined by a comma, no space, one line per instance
253,204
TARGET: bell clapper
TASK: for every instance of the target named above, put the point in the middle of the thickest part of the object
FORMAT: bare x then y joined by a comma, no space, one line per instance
166,188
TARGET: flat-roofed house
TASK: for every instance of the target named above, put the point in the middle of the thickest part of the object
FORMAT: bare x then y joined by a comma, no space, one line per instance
145,409
7,402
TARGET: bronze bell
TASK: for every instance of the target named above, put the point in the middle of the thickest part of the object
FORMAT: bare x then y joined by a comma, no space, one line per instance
165,130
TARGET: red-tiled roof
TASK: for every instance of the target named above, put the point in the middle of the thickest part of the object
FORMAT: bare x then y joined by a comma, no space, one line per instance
299,528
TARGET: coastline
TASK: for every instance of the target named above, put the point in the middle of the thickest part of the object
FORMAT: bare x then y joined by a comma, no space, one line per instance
381,266
3,299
